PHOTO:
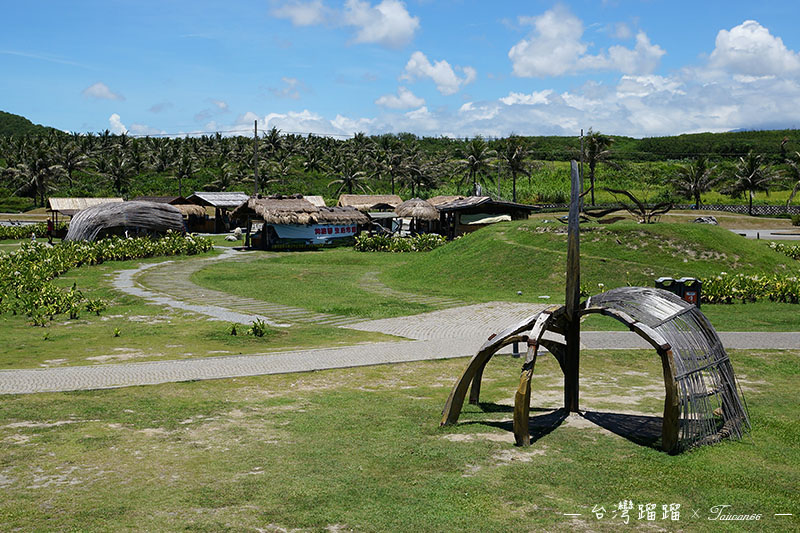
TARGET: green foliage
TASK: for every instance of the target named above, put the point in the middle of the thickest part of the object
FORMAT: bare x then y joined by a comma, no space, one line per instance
383,243
792,251
727,288
258,328
795,220
26,275
24,231
11,124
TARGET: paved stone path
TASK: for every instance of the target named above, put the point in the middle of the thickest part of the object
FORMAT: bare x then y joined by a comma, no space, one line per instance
454,332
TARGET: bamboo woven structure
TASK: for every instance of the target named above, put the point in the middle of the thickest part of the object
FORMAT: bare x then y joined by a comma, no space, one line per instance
702,402
95,222
418,209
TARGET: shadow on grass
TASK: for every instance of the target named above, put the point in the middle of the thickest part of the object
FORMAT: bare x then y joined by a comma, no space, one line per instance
639,429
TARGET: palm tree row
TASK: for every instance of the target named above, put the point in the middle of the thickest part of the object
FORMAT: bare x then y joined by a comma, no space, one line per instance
85,164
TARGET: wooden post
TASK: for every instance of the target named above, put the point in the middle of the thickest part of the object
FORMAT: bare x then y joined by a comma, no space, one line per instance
255,155
573,297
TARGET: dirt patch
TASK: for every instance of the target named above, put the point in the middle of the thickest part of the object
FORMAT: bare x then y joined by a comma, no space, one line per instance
474,437
516,455
125,354
52,362
17,439
29,424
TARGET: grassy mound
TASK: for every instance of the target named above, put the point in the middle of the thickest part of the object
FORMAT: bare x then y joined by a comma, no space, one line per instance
529,256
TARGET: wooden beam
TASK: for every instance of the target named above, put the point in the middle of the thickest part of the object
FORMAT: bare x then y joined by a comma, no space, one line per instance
572,302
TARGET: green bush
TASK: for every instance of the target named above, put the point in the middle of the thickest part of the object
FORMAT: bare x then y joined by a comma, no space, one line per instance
728,288
383,243
795,220
26,275
792,251
24,232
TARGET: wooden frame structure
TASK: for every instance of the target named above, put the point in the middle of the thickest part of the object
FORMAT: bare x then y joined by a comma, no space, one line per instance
702,401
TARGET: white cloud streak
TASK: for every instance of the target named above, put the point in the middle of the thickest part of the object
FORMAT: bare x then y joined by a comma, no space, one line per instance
100,91
442,74
404,99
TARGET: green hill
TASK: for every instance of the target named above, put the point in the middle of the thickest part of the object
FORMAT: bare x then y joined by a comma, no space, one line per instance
11,124
496,262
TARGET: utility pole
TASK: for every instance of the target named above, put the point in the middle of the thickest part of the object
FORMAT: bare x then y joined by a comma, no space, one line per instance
581,171
498,180
255,155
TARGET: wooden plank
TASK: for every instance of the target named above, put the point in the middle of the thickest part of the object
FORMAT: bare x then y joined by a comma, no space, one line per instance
522,398
572,333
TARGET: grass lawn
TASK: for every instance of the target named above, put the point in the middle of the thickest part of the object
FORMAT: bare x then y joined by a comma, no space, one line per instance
145,332
496,262
360,449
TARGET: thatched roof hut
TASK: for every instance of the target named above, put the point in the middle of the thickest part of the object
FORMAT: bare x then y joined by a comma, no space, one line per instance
370,202
116,217
220,200
436,201
418,209
297,210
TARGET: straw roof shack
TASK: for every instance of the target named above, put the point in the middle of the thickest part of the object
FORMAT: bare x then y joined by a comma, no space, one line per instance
436,201
418,209
292,221
114,218
71,206
370,202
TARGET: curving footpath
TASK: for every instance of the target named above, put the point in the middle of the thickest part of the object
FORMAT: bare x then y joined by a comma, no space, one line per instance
454,332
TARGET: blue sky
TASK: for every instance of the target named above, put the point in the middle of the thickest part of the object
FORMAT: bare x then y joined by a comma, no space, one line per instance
446,67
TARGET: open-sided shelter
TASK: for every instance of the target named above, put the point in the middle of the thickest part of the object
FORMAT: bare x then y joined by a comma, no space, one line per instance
69,207
420,213
283,222
468,214
223,203
124,218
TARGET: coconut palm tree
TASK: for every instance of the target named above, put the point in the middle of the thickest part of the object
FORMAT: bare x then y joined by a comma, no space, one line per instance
349,178
794,175
37,175
184,168
751,175
595,149
475,159
695,178
513,157
119,170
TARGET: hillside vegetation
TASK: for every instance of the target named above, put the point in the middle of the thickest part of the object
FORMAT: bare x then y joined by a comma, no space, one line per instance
37,162
497,261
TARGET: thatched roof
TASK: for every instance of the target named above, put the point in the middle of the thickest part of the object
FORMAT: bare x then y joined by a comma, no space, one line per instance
318,201
365,202
342,215
475,201
70,206
226,200
417,208
190,209
436,201
296,210
92,221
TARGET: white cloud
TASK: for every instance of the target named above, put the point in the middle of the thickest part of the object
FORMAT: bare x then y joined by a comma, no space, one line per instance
100,91
303,13
142,129
291,88
536,97
750,49
442,74
221,104
387,23
621,31
555,48
404,99
115,124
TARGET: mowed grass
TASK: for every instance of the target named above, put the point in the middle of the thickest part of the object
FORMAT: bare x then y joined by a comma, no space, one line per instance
360,449
131,330
497,262
328,281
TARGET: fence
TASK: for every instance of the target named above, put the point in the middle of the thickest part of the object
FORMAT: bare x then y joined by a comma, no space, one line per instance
770,210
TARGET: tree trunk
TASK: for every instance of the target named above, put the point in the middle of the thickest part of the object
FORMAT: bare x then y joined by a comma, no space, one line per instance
750,206
513,186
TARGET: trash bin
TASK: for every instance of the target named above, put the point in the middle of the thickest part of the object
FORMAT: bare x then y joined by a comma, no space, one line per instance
689,289
692,288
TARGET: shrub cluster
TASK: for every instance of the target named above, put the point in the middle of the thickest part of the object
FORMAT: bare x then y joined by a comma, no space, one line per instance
727,288
24,231
792,251
26,275
795,220
383,243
